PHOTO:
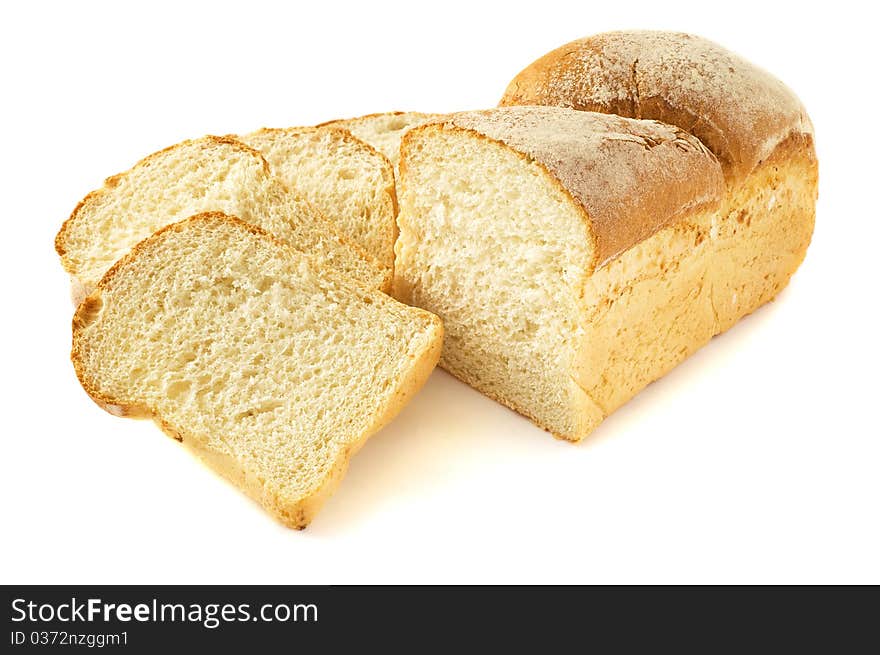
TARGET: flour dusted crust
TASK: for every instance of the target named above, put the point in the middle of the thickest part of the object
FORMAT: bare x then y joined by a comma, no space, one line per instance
741,112
632,178
754,124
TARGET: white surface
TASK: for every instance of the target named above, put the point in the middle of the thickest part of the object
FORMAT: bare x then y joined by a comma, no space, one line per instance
755,461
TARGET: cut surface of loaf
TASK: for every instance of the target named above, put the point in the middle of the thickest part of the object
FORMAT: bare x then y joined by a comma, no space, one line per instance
273,371
207,174
754,124
384,131
348,180
563,251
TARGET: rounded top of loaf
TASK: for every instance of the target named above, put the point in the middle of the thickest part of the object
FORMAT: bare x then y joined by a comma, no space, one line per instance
738,110
631,177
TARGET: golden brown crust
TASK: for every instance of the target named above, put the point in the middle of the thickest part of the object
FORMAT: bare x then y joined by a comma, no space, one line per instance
800,146
300,514
737,109
629,178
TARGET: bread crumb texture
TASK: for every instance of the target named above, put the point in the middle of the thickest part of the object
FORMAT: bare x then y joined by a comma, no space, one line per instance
345,178
207,174
631,177
273,371
502,241
384,131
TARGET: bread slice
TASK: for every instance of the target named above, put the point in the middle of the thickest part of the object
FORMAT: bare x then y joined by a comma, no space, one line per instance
207,174
566,253
271,370
345,178
384,131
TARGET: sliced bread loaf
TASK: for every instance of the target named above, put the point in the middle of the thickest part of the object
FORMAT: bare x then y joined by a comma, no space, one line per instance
565,252
207,174
384,131
345,178
273,371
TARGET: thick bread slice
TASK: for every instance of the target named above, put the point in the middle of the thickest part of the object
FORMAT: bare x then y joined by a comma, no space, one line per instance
384,131
345,178
757,127
563,251
273,371
207,174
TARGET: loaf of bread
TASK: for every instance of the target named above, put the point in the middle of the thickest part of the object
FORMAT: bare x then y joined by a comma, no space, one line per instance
207,174
754,124
565,252
345,178
635,194
384,131
273,371
575,256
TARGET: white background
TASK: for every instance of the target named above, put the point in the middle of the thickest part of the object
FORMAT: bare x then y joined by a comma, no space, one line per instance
754,461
